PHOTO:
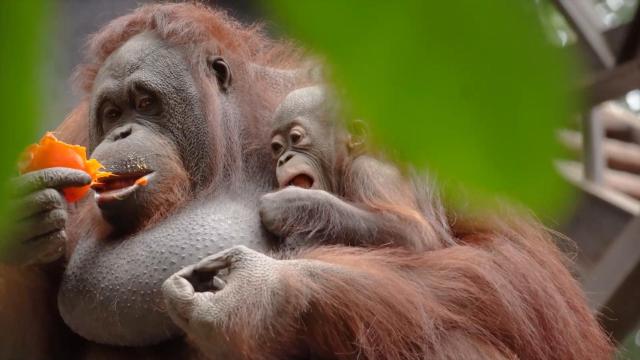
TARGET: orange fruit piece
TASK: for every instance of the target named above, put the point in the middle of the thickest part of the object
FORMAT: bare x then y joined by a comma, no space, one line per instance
51,152
143,181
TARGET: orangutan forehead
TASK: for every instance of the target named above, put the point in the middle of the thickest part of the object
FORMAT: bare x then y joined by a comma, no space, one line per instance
305,102
138,52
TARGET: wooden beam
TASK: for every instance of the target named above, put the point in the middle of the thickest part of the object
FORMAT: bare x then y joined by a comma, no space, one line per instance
593,153
620,181
623,181
572,171
620,155
615,37
616,117
613,83
588,29
613,286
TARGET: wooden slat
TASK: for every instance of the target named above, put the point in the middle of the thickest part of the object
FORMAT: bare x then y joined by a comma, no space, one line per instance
616,117
620,181
593,157
620,155
572,172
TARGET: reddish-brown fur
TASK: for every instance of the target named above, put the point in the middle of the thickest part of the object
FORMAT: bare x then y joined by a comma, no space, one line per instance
503,291
508,289
406,204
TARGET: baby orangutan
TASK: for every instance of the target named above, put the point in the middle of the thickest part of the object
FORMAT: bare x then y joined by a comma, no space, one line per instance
331,193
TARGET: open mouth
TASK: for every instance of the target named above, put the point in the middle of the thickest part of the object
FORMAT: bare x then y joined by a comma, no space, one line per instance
117,187
301,180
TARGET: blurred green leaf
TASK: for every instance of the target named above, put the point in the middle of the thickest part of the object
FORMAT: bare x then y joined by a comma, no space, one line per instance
630,348
469,89
22,25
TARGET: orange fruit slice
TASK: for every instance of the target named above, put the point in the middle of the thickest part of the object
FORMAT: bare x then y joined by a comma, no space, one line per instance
51,152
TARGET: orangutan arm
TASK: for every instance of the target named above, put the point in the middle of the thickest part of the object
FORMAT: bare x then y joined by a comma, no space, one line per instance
340,303
28,314
387,304
303,216
380,207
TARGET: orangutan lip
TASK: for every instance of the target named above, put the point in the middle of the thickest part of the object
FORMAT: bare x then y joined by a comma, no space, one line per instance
302,180
118,187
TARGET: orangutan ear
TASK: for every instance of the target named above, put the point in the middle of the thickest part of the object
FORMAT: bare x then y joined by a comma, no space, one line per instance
222,72
357,135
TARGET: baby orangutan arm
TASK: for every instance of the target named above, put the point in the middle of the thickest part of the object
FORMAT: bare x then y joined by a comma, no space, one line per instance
381,207
308,216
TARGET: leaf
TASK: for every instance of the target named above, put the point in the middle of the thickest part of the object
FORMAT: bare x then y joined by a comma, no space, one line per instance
469,89
22,25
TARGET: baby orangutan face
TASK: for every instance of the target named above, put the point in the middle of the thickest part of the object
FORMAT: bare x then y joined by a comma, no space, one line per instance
304,141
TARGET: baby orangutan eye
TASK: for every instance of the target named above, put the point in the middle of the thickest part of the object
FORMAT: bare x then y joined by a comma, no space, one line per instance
295,136
276,148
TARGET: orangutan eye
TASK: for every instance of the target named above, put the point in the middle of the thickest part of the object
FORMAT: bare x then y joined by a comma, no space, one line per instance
295,137
144,104
147,105
111,113
276,148
143,100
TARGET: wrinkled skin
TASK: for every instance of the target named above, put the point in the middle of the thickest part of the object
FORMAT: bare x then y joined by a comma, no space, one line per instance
252,281
110,290
146,119
41,215
138,123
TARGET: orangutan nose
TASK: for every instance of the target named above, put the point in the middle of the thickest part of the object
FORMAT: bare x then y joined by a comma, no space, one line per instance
121,133
284,158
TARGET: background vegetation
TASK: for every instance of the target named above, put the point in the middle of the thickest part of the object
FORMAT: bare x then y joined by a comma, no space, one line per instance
22,26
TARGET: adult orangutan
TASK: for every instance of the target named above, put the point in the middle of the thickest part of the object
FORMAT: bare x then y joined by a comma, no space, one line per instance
185,94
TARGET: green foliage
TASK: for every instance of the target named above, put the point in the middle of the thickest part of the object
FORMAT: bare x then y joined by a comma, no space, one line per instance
630,347
21,41
470,90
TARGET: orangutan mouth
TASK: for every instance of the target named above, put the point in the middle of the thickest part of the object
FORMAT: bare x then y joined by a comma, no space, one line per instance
119,186
301,180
